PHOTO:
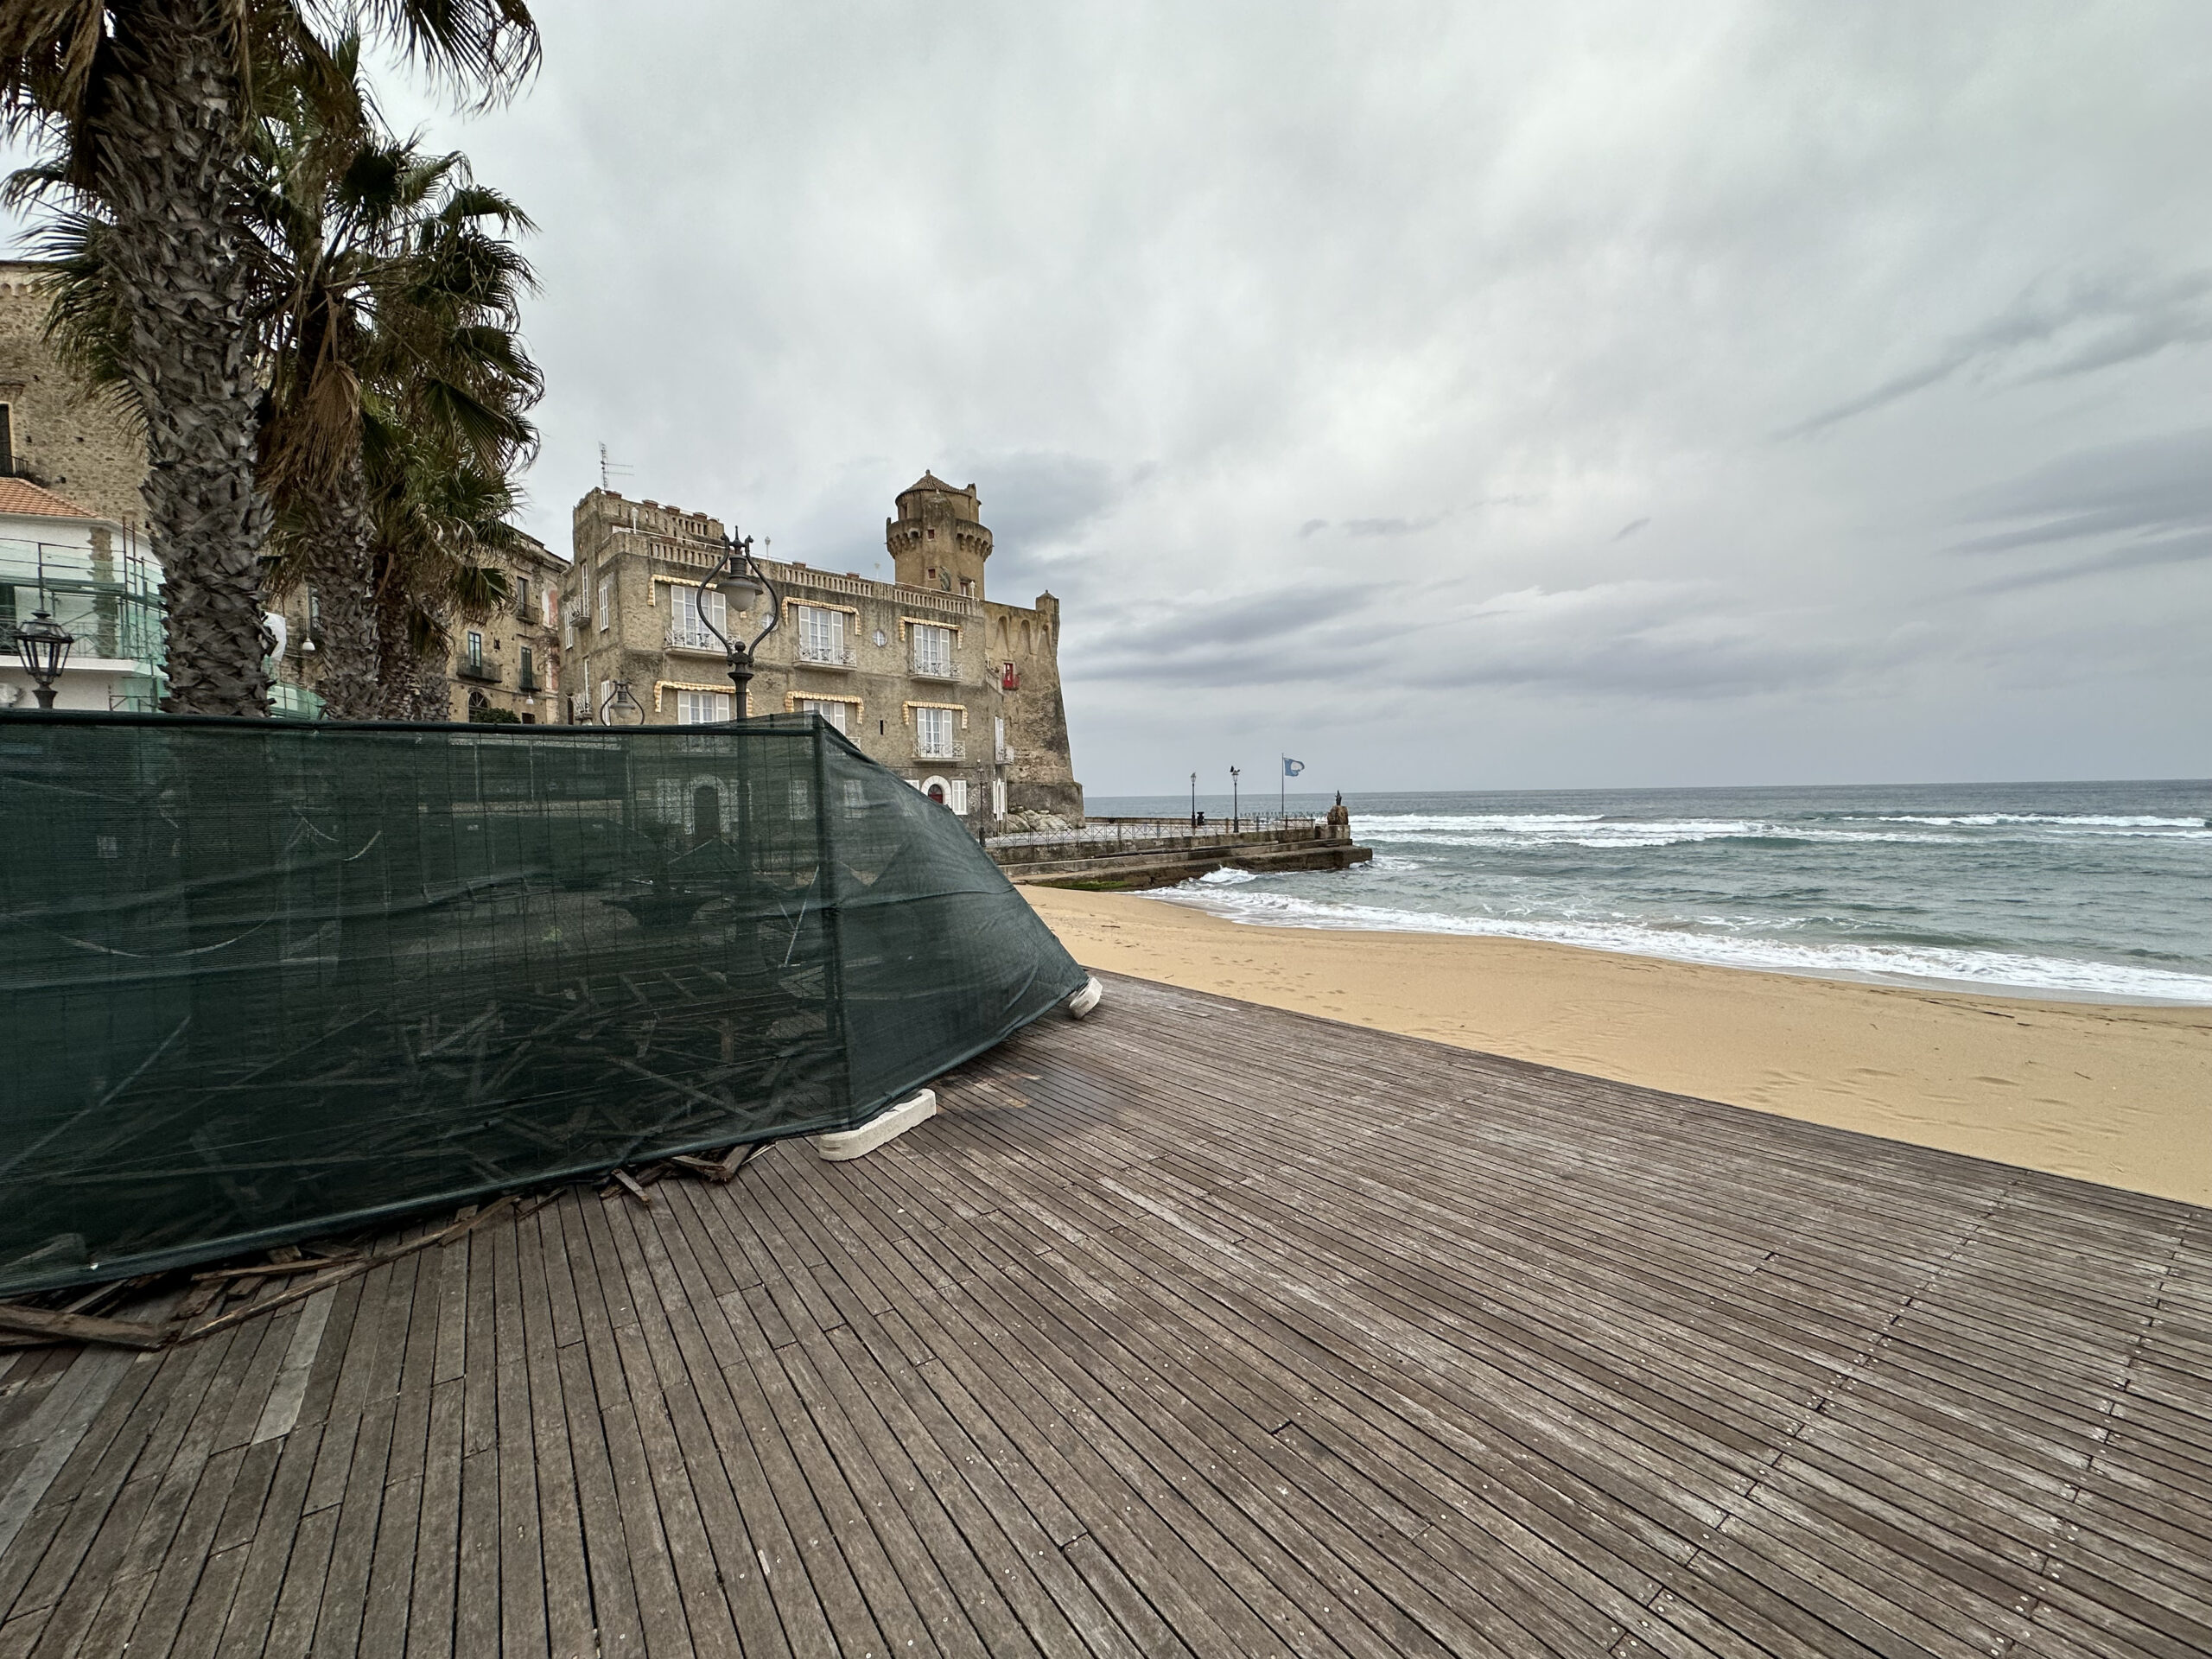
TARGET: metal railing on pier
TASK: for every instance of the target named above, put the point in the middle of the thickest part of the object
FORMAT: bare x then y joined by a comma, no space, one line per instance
1120,832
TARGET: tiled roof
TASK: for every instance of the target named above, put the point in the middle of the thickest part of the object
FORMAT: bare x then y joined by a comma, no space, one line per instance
928,481
20,495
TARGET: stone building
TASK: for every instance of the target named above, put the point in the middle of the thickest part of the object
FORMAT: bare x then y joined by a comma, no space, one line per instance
956,693
51,431
511,659
507,659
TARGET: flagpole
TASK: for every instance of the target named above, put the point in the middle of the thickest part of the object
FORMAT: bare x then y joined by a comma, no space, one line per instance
1282,789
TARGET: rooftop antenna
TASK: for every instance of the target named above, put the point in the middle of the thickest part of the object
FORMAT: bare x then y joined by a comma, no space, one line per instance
610,469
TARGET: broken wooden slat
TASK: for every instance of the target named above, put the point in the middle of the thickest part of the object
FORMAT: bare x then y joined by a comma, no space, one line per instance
56,1326
273,1269
344,1270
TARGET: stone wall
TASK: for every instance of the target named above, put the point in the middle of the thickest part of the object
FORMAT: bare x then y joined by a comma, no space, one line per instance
1041,777
75,446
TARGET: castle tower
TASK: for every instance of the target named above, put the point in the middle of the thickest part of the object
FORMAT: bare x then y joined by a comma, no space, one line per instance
938,540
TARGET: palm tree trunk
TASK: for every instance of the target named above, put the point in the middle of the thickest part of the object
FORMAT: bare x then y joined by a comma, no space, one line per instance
169,145
342,569
433,686
396,664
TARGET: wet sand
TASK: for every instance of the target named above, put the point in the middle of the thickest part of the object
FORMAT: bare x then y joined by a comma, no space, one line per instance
2119,1095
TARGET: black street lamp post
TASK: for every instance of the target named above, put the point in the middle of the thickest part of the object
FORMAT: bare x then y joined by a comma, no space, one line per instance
43,644
1194,800
739,580
621,707
1236,810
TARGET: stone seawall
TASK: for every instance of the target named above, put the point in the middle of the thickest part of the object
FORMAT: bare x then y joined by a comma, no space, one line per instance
1090,859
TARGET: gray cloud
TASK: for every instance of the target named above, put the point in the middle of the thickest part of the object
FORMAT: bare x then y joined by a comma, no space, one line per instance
2082,325
1392,527
2139,556
2149,499
1630,529
2155,484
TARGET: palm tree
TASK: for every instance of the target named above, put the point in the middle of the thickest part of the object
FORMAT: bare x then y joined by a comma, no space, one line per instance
147,109
441,521
327,196
393,297
452,429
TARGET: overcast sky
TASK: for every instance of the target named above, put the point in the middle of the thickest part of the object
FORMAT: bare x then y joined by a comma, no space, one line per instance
1453,396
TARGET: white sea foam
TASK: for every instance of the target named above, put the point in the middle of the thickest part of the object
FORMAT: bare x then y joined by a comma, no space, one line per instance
1539,829
2055,820
1995,968
1536,829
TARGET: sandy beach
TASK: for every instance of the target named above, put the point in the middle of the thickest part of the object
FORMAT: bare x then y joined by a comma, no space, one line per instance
2121,1095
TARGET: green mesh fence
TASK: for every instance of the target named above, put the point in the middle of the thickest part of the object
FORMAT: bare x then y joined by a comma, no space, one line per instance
260,981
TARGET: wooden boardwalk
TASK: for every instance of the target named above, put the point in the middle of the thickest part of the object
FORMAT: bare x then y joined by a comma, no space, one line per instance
1198,1329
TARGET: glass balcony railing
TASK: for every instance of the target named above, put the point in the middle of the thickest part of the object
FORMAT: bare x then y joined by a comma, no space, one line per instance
111,604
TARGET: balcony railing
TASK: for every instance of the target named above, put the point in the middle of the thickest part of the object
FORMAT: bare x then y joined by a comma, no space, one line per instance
945,748
828,657
934,668
682,638
107,621
1003,755
488,673
528,681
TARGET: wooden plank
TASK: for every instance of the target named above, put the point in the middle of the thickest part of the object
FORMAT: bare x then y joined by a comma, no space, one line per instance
434,1585
653,1589
868,1606
522,1559
714,1579
254,1601
1141,1350
566,1576
607,1548
54,1325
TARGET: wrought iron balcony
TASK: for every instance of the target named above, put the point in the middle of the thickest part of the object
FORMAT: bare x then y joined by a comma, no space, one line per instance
953,748
487,673
682,638
828,657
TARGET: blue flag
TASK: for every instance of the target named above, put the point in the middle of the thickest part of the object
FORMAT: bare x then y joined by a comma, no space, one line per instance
1291,768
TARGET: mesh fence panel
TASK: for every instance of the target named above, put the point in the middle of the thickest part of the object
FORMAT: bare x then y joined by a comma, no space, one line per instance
260,981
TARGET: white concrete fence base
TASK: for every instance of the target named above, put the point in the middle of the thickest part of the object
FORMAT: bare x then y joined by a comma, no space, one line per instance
886,1125
1086,999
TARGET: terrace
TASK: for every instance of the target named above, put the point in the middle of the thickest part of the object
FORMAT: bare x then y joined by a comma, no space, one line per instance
1195,1328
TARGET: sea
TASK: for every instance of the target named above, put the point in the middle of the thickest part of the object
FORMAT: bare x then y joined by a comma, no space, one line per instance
2098,892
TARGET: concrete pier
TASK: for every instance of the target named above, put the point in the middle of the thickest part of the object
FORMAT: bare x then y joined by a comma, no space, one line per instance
1125,854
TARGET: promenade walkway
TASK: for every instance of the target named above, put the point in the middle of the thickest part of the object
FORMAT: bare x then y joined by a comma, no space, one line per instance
1196,1328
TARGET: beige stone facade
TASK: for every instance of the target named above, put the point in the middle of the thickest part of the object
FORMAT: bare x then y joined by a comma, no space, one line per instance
958,693
51,432
509,659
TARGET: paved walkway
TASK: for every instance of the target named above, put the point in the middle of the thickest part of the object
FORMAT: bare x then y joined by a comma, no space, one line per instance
1195,1328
